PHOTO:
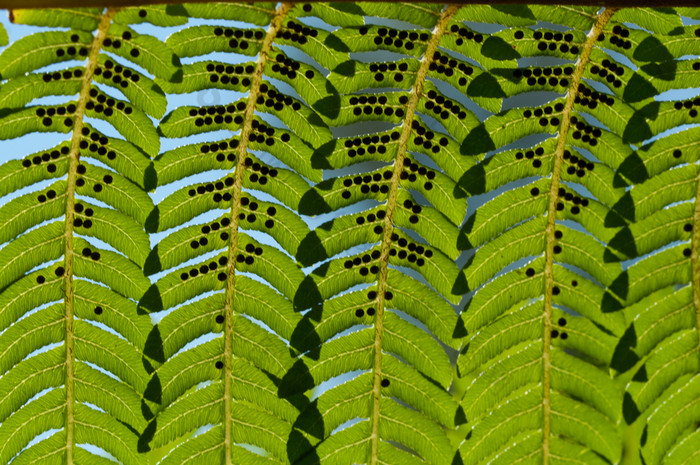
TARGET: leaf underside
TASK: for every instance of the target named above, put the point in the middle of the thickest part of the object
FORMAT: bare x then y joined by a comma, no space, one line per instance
400,233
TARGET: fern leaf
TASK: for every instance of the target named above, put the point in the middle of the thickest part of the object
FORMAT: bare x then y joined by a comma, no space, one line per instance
337,14
386,429
657,359
235,363
84,19
484,281
157,15
57,288
261,13
422,14
527,396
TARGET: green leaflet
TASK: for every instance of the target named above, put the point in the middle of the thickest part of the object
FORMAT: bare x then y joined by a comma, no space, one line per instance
577,17
370,38
30,250
24,89
510,14
198,76
114,190
131,123
423,14
337,14
123,156
85,19
41,49
682,399
260,13
158,15
352,76
32,169
139,89
143,50
655,19
26,121
201,40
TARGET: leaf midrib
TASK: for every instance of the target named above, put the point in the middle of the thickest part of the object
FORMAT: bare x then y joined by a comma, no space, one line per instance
74,157
601,20
407,129
246,128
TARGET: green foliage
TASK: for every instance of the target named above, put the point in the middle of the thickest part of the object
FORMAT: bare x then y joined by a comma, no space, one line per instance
408,233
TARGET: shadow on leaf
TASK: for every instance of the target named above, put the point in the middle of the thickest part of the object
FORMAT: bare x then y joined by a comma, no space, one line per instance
474,179
622,242
319,159
152,264
153,220
478,141
629,409
624,357
308,294
620,286
632,168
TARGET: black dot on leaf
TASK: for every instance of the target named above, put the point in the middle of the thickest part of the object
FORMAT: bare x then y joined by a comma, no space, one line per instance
555,290
530,272
687,252
385,382
688,227
554,333
557,249
219,365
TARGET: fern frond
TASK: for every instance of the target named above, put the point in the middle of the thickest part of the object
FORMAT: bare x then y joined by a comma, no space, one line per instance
533,366
400,359
499,265
657,359
243,364
56,287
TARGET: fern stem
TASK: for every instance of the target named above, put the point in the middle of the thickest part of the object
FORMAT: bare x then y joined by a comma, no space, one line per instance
695,260
74,159
581,64
416,92
246,128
